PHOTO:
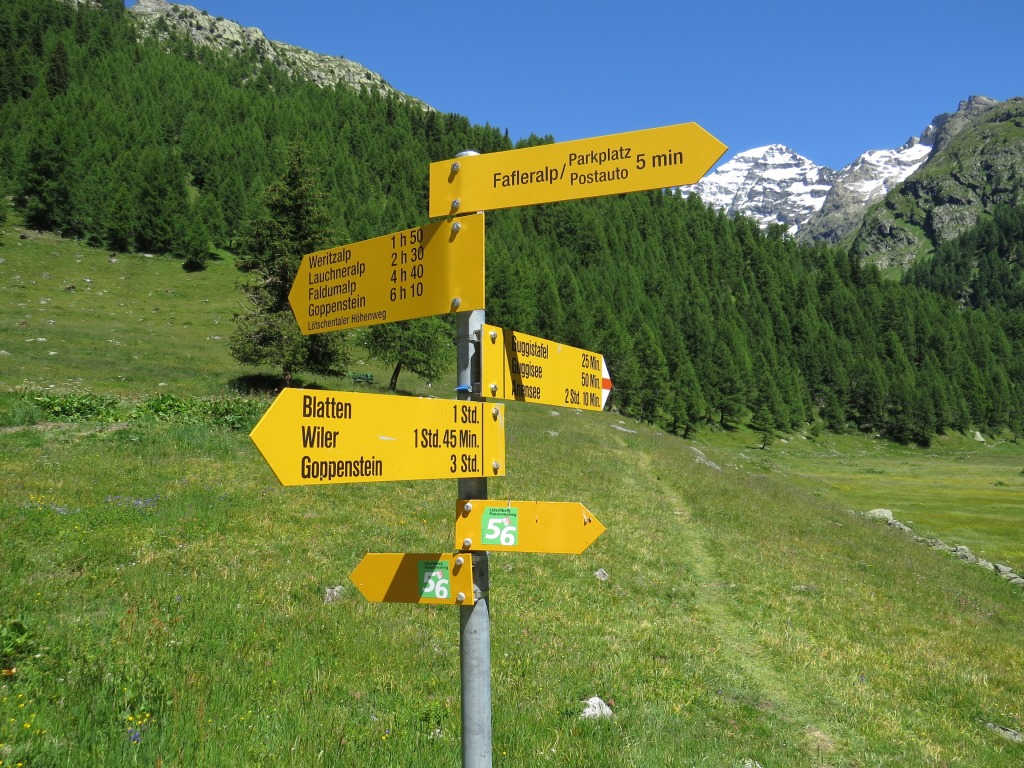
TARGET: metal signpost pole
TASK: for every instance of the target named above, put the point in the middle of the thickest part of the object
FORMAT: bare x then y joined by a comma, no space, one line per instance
474,620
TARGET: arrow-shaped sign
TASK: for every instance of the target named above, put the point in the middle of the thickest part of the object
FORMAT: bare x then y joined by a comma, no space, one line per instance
553,527
418,272
312,437
430,579
654,158
517,366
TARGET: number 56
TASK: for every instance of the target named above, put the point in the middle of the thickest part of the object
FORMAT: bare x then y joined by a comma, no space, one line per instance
500,533
436,586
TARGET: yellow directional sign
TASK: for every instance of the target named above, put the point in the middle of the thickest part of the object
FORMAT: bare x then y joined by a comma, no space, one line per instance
313,437
417,272
516,366
655,158
430,579
525,526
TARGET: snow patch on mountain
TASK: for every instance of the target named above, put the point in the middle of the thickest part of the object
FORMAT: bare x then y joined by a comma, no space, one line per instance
772,184
776,185
877,171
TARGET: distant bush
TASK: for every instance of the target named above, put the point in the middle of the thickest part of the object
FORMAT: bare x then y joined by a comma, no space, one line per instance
232,412
167,407
78,406
236,412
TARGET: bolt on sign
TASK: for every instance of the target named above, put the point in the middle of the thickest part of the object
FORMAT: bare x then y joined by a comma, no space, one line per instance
418,272
517,366
655,158
314,437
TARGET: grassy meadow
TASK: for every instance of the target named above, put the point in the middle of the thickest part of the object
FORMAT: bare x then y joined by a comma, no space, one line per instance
163,597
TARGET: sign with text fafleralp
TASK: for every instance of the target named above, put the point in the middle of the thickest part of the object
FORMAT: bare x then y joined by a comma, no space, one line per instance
655,158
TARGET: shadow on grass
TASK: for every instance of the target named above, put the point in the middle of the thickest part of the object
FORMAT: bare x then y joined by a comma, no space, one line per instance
199,264
266,384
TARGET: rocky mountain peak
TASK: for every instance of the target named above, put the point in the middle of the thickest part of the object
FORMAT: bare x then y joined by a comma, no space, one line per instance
864,181
772,184
160,18
944,127
976,163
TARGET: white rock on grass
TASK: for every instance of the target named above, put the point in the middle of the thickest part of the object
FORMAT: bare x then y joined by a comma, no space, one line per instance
879,514
1007,733
596,709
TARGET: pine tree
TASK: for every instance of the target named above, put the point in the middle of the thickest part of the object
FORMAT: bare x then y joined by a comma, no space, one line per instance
58,71
653,397
120,220
193,241
295,224
687,407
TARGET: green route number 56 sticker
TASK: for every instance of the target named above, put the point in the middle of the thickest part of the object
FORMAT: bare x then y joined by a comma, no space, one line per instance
500,526
435,579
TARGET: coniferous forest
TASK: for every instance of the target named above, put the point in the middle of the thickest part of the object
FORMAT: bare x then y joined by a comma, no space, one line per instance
138,144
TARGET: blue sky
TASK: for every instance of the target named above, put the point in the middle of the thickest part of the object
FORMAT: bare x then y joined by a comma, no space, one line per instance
829,79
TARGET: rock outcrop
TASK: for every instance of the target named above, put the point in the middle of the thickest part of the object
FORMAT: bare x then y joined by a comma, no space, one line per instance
161,18
976,163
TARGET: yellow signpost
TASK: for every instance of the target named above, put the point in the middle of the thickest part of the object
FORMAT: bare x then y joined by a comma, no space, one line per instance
516,366
313,437
428,579
554,527
418,272
655,158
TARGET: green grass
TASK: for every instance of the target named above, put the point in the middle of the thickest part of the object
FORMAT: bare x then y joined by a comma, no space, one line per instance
133,326
163,595
81,320
959,490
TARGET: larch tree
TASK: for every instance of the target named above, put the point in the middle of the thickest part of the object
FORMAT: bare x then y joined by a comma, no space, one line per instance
266,332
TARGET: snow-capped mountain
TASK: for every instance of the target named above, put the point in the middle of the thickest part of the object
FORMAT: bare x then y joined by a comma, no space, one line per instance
776,185
772,184
862,182
874,173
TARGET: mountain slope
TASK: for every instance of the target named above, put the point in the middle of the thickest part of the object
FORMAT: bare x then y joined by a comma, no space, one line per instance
977,163
773,184
867,179
705,319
